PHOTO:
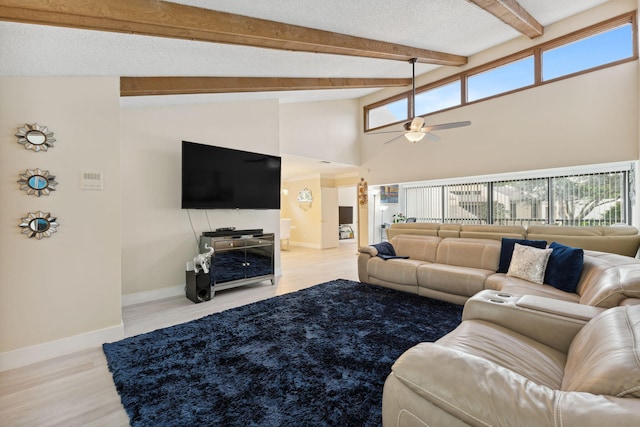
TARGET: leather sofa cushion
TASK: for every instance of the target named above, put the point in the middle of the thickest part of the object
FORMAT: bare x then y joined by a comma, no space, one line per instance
608,279
604,357
537,362
451,279
400,271
473,253
422,248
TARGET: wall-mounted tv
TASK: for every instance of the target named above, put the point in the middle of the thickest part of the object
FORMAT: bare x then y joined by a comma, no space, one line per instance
224,178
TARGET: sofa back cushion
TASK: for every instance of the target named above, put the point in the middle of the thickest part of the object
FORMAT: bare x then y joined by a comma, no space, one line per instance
419,248
623,240
604,357
417,228
474,253
497,232
608,279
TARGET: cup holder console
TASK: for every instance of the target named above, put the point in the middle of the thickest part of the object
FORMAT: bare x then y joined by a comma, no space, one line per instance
498,297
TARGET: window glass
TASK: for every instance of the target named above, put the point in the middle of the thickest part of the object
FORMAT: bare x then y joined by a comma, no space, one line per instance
590,52
505,78
388,113
439,98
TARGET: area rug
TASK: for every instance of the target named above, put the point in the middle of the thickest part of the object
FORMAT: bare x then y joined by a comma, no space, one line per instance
316,357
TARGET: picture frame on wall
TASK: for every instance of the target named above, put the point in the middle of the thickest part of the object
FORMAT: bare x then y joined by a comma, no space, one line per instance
389,194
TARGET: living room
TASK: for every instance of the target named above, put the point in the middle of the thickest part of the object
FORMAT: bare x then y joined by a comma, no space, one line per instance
130,241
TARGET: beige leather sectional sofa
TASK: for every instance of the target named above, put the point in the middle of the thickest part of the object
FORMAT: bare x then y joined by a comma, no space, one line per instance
525,354
522,361
455,269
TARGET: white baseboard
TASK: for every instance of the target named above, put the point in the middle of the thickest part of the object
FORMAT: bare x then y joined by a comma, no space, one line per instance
152,295
49,350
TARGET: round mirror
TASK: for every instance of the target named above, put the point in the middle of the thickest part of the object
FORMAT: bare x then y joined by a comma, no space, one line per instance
38,182
35,137
38,224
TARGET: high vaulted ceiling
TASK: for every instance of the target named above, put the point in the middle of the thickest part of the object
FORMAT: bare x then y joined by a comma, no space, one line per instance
355,47
360,43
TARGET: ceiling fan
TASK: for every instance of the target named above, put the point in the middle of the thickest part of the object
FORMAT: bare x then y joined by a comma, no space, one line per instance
415,130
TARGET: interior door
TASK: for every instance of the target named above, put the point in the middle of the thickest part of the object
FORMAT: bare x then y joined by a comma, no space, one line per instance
330,227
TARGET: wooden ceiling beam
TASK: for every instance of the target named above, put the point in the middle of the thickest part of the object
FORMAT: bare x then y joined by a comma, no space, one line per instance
163,19
144,86
511,13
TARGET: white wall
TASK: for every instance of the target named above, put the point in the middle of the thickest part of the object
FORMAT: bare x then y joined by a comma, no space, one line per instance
321,130
157,239
68,285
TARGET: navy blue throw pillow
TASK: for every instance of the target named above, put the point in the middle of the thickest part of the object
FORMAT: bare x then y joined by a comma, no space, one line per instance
506,251
564,267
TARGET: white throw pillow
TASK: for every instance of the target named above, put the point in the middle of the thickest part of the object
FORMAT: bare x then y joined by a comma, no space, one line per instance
529,263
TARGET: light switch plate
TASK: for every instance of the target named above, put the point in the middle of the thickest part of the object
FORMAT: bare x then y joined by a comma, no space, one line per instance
91,180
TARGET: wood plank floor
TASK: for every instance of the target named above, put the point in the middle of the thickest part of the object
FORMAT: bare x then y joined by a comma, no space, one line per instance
77,390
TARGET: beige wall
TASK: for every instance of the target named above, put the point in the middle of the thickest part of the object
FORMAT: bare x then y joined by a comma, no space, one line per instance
306,225
157,239
69,284
321,130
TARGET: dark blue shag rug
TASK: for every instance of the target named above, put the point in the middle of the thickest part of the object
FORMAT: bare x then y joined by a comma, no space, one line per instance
316,357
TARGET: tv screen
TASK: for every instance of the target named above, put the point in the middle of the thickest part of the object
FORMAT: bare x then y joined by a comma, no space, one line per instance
224,178
345,214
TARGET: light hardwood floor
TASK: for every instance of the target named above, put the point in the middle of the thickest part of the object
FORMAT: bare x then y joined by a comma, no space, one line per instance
77,390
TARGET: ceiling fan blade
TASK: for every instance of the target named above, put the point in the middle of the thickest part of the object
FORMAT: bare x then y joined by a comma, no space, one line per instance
393,139
445,126
416,123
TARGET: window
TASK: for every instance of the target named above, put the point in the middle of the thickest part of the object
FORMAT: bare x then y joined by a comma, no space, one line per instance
508,77
438,98
581,199
608,43
599,49
386,114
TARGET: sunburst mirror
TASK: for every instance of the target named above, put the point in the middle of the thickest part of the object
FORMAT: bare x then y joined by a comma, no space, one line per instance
35,137
38,224
38,182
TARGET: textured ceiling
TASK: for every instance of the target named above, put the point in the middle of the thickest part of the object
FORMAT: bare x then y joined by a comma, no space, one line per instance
451,26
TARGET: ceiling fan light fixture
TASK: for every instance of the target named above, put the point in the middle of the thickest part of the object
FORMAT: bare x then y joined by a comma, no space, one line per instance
414,136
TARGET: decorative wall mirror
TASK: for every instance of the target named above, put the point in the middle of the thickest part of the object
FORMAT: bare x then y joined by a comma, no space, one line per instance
305,199
38,224
35,137
38,182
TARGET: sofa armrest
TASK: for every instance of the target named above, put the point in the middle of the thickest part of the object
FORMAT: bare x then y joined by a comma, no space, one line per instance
482,393
549,321
368,250
364,255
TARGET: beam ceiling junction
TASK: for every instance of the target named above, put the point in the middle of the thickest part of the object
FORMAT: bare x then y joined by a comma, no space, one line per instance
511,13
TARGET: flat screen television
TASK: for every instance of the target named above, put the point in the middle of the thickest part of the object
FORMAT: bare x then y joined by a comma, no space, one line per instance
345,214
224,178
